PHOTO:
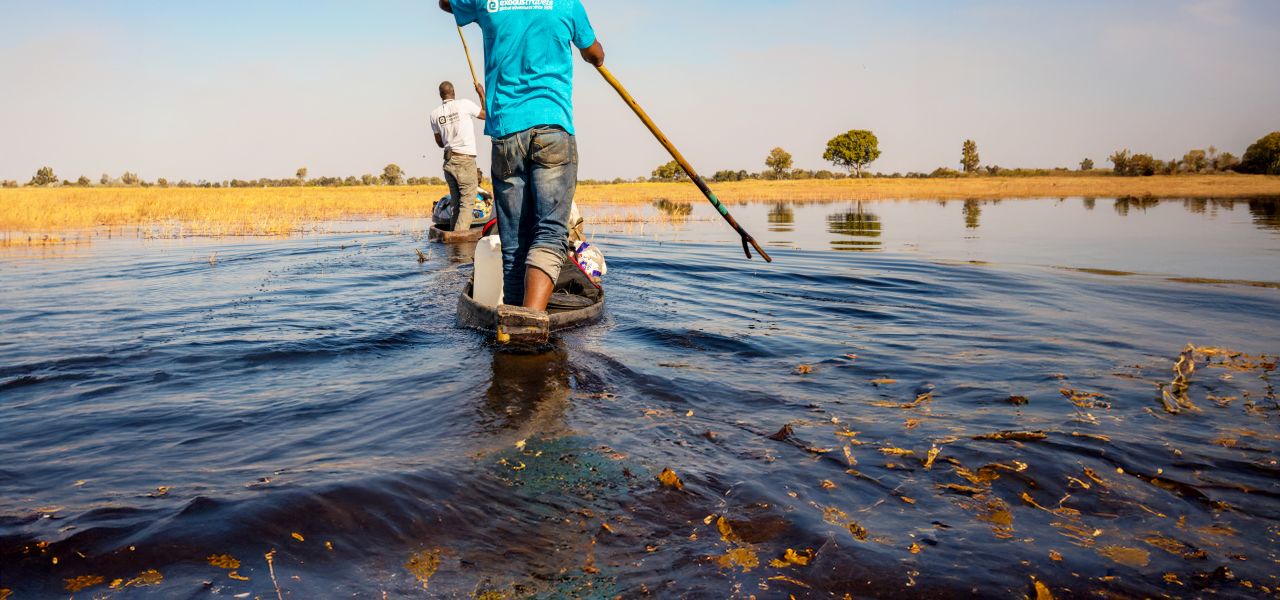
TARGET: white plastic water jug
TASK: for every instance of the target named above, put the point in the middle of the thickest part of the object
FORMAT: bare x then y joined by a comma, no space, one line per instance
488,282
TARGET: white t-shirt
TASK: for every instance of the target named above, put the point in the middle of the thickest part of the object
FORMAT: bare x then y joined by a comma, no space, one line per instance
453,121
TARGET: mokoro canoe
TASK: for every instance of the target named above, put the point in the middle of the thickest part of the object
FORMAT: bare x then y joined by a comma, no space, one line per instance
472,235
576,302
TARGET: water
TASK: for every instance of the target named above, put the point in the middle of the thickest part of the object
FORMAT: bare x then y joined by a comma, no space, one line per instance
167,401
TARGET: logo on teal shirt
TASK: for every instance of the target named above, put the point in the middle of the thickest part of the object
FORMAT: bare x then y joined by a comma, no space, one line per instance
500,5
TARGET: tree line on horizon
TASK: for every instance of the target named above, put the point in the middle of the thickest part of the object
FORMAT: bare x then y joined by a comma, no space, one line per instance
392,174
855,150
852,152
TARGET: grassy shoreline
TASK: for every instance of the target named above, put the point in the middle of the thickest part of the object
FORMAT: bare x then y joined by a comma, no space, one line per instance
278,211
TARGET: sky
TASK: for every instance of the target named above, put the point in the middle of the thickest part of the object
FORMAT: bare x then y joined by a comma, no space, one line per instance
221,89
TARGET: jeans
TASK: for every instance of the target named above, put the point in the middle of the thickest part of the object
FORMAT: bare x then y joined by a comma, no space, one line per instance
460,173
535,174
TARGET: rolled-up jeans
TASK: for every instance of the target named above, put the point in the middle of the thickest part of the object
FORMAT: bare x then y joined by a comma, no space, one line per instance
460,174
535,174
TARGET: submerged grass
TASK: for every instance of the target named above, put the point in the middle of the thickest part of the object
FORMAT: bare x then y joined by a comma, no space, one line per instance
280,211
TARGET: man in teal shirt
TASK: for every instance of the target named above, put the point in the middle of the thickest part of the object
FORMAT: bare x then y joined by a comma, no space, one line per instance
529,77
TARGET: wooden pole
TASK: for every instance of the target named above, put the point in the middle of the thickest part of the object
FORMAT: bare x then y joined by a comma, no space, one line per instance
748,242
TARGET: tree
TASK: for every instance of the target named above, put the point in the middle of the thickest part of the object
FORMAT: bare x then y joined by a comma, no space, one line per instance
671,171
393,174
853,150
162,182
9,183
368,179
1263,157
44,176
1142,165
1120,158
1195,161
1086,164
779,161
129,178
1225,162
105,179
302,174
969,156
83,181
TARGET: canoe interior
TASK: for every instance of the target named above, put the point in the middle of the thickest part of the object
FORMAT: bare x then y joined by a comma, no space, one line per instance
572,280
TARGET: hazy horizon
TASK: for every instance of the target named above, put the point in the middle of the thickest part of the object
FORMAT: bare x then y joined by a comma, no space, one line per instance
242,90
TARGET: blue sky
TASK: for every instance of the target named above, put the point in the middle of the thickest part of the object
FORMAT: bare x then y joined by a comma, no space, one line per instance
238,88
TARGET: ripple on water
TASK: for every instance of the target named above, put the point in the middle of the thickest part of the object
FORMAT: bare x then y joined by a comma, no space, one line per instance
958,428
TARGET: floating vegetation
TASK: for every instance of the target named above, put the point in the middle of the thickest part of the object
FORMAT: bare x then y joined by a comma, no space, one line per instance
83,582
933,455
423,565
669,479
1175,396
1129,557
740,557
1042,590
1085,400
1176,547
791,558
920,400
783,434
1020,436
146,578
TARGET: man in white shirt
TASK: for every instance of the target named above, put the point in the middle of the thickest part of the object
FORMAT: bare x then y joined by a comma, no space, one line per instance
456,133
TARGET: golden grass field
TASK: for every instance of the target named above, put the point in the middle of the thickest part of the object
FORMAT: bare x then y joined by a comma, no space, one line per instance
40,212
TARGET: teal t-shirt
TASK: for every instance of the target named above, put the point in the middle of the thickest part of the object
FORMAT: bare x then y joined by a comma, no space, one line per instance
528,60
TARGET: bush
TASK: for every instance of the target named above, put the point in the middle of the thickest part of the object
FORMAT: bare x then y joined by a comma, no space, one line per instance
9,184
669,172
1263,157
1135,165
944,173
44,176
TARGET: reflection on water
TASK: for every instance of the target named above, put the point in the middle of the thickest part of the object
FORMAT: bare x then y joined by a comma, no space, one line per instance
1266,213
782,218
674,210
972,214
1201,238
957,429
860,224
529,391
1128,203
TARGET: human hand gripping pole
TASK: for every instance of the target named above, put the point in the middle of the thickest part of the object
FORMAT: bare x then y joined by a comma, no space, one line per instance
748,242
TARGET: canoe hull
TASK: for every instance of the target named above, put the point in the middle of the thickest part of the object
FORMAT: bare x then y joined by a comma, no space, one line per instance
472,235
473,315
